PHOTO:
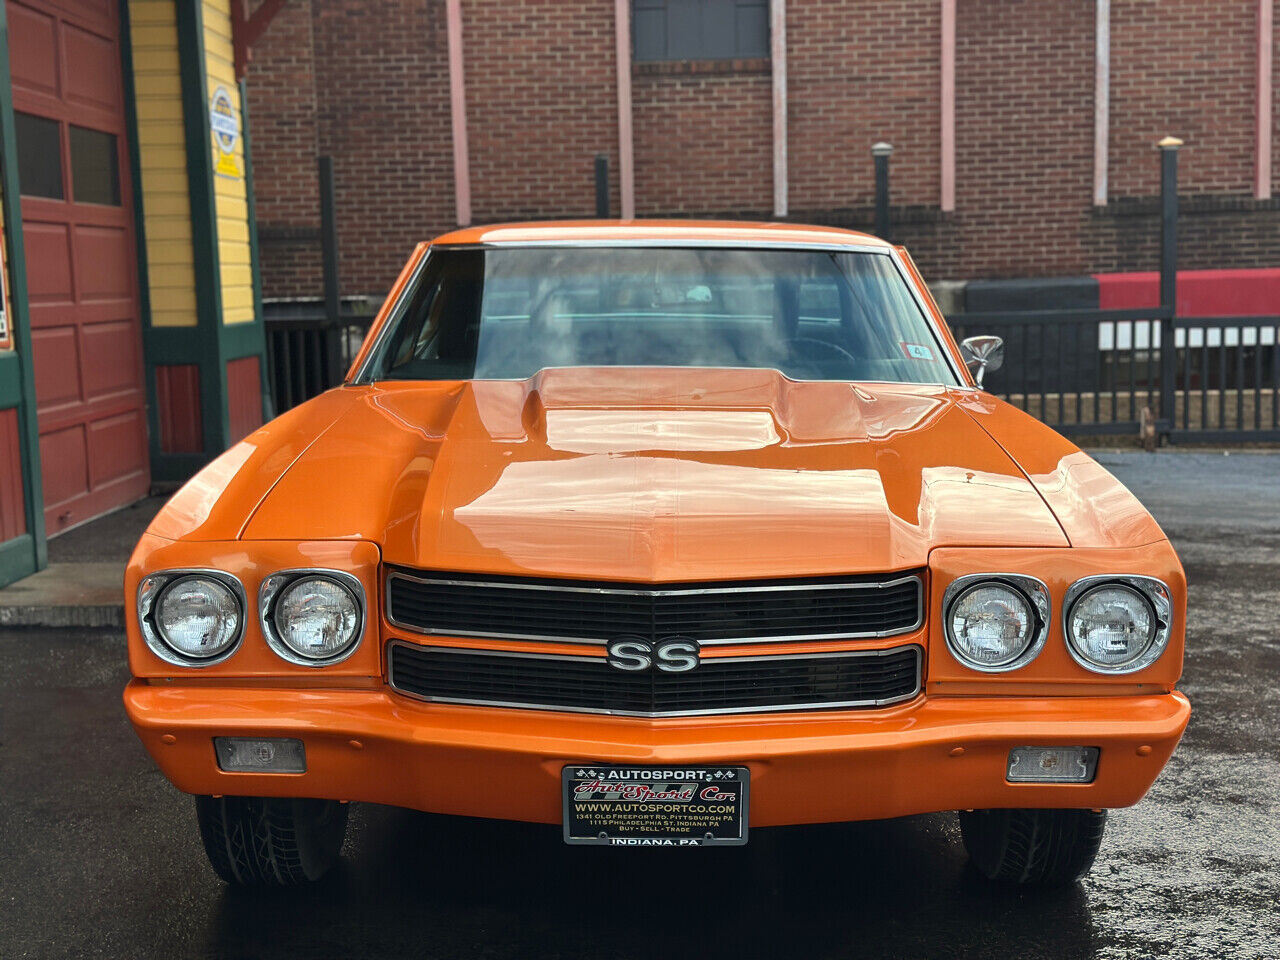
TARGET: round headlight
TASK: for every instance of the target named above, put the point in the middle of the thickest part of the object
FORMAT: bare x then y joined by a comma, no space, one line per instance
990,625
317,618
1111,626
199,617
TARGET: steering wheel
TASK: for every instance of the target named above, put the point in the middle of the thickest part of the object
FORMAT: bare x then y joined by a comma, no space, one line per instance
805,345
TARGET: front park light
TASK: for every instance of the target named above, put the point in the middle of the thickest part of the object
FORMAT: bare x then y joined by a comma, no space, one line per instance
260,754
313,618
1052,764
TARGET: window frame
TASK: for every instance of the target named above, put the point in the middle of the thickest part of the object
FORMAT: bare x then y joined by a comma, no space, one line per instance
639,57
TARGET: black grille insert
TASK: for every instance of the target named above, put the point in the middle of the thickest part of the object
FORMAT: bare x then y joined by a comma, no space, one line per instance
467,606
718,685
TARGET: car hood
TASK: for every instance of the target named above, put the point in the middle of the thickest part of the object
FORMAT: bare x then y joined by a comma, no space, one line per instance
665,475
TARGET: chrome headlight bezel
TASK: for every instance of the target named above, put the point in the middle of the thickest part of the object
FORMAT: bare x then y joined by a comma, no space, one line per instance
1154,591
154,585
1031,589
276,583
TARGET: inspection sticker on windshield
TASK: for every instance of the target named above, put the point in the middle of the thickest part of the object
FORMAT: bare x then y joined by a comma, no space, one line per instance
655,806
916,351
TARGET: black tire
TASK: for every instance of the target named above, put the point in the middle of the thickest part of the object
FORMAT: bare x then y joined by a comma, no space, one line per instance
1043,848
264,841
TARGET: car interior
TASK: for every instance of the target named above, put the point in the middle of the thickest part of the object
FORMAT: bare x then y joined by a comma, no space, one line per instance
506,314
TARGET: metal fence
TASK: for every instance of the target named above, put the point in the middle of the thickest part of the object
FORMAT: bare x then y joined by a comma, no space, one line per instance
1056,369
1083,372
1228,379
1092,372
307,353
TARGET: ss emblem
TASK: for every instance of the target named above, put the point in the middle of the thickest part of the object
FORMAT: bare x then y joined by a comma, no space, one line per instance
670,654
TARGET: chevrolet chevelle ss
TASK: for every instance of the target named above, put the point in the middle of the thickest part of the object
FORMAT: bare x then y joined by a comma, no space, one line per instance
659,532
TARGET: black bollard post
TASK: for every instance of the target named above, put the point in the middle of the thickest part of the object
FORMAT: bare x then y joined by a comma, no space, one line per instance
881,152
602,186
1168,277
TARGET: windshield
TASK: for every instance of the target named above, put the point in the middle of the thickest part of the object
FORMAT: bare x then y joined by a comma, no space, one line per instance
506,313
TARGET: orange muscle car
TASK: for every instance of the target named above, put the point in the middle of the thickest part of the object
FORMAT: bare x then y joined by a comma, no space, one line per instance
657,531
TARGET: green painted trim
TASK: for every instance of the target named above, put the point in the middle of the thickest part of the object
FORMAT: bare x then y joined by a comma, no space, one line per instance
10,380
192,64
254,255
17,557
139,228
167,345
28,427
241,340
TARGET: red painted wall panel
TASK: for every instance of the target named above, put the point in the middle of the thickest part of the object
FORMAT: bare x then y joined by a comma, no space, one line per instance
85,316
1201,293
178,399
13,521
244,397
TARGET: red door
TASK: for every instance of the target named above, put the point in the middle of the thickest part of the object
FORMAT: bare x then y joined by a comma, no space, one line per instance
77,225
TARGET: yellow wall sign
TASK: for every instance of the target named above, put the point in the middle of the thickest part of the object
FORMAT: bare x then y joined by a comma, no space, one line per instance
224,121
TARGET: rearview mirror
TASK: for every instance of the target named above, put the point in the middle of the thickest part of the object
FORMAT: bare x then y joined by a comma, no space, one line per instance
982,354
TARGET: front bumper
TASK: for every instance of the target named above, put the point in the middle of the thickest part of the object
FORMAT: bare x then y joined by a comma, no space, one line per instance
936,753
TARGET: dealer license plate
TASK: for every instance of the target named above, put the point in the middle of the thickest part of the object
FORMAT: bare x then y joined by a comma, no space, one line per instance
624,806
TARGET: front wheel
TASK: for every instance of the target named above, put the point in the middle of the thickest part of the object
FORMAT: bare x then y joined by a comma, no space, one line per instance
1035,847
266,841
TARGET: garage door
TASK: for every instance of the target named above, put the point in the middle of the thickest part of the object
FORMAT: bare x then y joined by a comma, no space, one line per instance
77,221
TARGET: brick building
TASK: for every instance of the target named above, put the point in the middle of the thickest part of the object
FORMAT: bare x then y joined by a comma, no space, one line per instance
1024,130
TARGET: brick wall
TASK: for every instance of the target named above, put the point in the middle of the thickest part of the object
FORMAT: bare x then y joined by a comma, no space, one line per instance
1186,68
1024,139
703,142
541,104
382,89
858,73
367,81
1189,71
285,143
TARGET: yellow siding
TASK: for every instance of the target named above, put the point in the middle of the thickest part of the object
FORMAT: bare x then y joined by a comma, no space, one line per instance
166,204
229,192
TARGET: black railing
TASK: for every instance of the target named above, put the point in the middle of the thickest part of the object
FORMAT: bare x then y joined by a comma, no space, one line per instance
1228,379
307,353
1080,371
1083,372
310,344
1092,372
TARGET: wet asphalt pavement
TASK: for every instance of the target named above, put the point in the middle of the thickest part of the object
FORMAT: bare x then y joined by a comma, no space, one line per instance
99,856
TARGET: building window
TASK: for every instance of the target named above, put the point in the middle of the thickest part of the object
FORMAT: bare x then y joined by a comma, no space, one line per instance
39,156
95,167
700,29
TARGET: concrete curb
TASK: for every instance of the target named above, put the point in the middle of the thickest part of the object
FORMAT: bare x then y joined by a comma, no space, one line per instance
64,616
66,595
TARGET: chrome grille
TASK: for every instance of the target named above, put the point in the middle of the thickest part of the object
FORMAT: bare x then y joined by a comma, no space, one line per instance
718,613
720,685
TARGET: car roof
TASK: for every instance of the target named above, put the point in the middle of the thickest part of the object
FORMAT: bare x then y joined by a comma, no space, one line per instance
728,232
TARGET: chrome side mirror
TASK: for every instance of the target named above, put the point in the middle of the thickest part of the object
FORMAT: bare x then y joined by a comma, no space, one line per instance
982,354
